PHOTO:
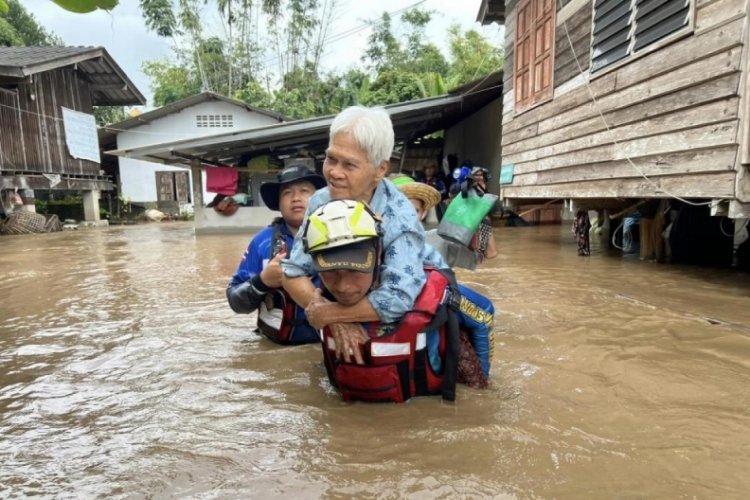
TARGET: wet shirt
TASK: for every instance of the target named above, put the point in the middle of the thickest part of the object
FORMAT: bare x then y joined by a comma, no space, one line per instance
404,252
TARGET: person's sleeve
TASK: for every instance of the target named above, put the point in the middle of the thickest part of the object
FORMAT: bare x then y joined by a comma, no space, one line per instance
246,290
298,263
401,273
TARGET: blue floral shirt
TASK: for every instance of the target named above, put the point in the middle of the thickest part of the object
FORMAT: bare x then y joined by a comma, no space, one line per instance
404,252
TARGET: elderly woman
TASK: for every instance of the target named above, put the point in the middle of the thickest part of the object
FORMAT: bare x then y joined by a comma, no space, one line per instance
357,161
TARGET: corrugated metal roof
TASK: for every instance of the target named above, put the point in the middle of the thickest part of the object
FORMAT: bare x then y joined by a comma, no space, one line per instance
110,86
410,120
183,104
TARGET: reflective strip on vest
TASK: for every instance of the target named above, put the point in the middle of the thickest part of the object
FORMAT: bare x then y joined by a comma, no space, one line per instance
384,349
421,341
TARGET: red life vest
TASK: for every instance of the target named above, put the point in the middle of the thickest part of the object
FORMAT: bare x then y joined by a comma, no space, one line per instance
397,366
277,315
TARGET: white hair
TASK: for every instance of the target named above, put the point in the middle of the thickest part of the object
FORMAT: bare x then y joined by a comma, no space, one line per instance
371,129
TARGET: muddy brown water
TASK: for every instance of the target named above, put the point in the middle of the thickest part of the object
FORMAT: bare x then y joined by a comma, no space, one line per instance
124,374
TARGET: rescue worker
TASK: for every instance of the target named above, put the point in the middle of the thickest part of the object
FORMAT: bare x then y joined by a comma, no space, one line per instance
357,161
422,353
257,283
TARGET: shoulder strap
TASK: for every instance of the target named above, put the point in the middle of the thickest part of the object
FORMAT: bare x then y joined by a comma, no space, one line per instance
278,240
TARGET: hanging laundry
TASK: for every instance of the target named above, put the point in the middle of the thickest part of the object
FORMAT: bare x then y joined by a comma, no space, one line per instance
222,180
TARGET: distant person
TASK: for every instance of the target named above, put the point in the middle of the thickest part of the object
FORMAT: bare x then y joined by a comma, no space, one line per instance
257,283
472,180
424,198
433,179
581,227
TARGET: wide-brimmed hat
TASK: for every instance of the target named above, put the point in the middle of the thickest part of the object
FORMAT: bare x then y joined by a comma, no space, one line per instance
419,190
360,257
269,191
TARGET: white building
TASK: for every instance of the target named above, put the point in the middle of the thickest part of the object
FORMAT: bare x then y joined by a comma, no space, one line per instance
194,117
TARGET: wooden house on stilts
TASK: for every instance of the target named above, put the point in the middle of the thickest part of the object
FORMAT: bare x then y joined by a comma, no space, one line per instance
611,103
48,138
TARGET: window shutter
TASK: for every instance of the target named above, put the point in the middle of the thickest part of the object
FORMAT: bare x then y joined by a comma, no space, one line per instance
164,186
611,38
544,30
656,19
622,27
534,48
522,49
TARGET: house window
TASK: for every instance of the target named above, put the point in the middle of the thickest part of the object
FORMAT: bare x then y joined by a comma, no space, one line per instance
534,47
214,121
623,27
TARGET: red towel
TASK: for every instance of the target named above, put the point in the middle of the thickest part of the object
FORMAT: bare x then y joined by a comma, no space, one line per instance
222,180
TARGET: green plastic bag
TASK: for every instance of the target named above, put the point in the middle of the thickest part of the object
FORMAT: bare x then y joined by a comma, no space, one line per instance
463,216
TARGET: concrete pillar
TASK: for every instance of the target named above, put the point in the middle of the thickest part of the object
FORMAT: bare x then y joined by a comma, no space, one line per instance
197,177
91,206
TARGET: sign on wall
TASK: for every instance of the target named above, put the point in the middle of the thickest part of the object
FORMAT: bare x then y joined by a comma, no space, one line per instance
80,135
506,174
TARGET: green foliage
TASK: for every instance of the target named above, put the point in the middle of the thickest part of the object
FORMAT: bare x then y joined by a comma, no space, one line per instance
392,87
20,28
255,95
398,67
3,7
68,199
172,82
40,205
159,17
85,6
472,56
384,51
106,115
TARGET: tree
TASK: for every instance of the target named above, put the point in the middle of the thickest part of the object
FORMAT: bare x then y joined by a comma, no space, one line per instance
392,87
472,56
106,115
384,51
20,28
409,53
254,94
172,82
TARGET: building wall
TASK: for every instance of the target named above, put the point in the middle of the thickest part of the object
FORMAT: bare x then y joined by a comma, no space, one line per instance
477,138
246,220
138,178
32,135
673,112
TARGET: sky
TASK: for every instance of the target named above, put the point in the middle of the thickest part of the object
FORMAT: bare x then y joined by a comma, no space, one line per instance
123,32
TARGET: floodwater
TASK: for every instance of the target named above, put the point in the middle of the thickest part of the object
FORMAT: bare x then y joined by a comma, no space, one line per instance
124,374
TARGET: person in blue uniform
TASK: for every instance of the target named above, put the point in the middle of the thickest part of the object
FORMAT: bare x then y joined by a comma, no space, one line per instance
256,285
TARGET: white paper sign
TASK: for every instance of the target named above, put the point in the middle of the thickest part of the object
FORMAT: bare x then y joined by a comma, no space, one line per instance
80,135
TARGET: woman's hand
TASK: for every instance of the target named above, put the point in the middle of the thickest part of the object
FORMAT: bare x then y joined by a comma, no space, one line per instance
317,311
349,338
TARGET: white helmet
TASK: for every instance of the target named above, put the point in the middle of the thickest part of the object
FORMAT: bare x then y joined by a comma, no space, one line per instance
339,223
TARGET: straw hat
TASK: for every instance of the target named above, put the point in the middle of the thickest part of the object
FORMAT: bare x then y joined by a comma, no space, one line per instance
418,190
